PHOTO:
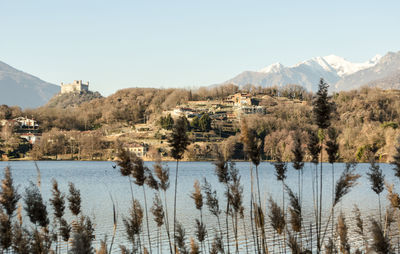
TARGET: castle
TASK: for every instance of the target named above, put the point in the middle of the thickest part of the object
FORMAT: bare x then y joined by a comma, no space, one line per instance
76,86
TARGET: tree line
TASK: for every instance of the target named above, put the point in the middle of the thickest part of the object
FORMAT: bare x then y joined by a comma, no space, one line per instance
367,118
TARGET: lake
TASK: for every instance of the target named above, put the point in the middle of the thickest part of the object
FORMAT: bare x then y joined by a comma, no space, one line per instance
99,181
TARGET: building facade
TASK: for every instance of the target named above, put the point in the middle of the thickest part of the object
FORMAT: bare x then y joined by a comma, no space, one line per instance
239,99
76,86
139,149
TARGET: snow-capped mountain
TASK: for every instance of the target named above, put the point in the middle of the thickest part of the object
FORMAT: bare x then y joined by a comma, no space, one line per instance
276,67
344,67
381,74
340,73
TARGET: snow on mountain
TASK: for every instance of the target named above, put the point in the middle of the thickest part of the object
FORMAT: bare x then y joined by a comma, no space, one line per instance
344,67
384,73
316,63
332,68
276,67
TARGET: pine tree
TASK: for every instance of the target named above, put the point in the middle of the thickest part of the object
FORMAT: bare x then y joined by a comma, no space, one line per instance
322,108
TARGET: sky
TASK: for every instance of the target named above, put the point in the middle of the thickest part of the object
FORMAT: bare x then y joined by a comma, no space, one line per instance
120,44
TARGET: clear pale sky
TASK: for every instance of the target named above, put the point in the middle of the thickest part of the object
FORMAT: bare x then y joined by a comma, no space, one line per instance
119,44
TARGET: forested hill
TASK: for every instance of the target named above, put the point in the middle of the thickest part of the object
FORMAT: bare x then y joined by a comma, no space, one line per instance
367,119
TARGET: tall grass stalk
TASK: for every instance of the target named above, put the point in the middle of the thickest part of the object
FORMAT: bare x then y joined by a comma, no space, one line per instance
322,110
178,141
314,149
377,179
198,200
115,224
224,177
280,173
245,232
132,165
332,149
344,184
235,198
298,161
158,212
253,148
212,203
162,173
58,203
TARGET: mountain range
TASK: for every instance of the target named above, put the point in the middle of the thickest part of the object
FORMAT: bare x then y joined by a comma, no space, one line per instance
340,74
27,91
18,88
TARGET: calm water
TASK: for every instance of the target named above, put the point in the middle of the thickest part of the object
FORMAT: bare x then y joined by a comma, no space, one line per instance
99,181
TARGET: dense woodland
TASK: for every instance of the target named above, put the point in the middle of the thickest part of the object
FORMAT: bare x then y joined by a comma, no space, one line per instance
366,119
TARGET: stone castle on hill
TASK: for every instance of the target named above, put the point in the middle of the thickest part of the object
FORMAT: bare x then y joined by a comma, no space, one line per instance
76,86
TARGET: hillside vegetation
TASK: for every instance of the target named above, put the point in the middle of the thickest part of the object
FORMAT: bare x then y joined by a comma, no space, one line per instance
67,100
367,119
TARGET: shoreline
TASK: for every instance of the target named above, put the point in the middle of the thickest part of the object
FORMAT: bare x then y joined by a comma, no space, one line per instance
168,160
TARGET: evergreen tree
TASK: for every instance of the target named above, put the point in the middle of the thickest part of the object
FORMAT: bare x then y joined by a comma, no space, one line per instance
167,122
322,108
205,123
195,124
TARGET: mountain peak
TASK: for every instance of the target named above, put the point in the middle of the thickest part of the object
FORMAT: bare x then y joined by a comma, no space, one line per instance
22,89
336,70
273,68
316,63
344,67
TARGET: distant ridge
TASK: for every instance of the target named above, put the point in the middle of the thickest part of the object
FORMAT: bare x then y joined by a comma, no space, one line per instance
22,89
338,72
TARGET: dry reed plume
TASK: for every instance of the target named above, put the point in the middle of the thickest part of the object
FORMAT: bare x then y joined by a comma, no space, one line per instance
342,230
276,217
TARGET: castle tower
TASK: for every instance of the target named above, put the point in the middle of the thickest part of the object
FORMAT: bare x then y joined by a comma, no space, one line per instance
76,87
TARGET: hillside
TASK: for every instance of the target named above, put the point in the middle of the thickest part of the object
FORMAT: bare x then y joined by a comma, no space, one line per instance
22,89
68,100
391,82
366,118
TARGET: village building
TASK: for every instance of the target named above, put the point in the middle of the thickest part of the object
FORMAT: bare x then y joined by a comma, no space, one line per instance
239,99
139,149
21,124
143,128
76,86
31,137
249,110
26,123
182,111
